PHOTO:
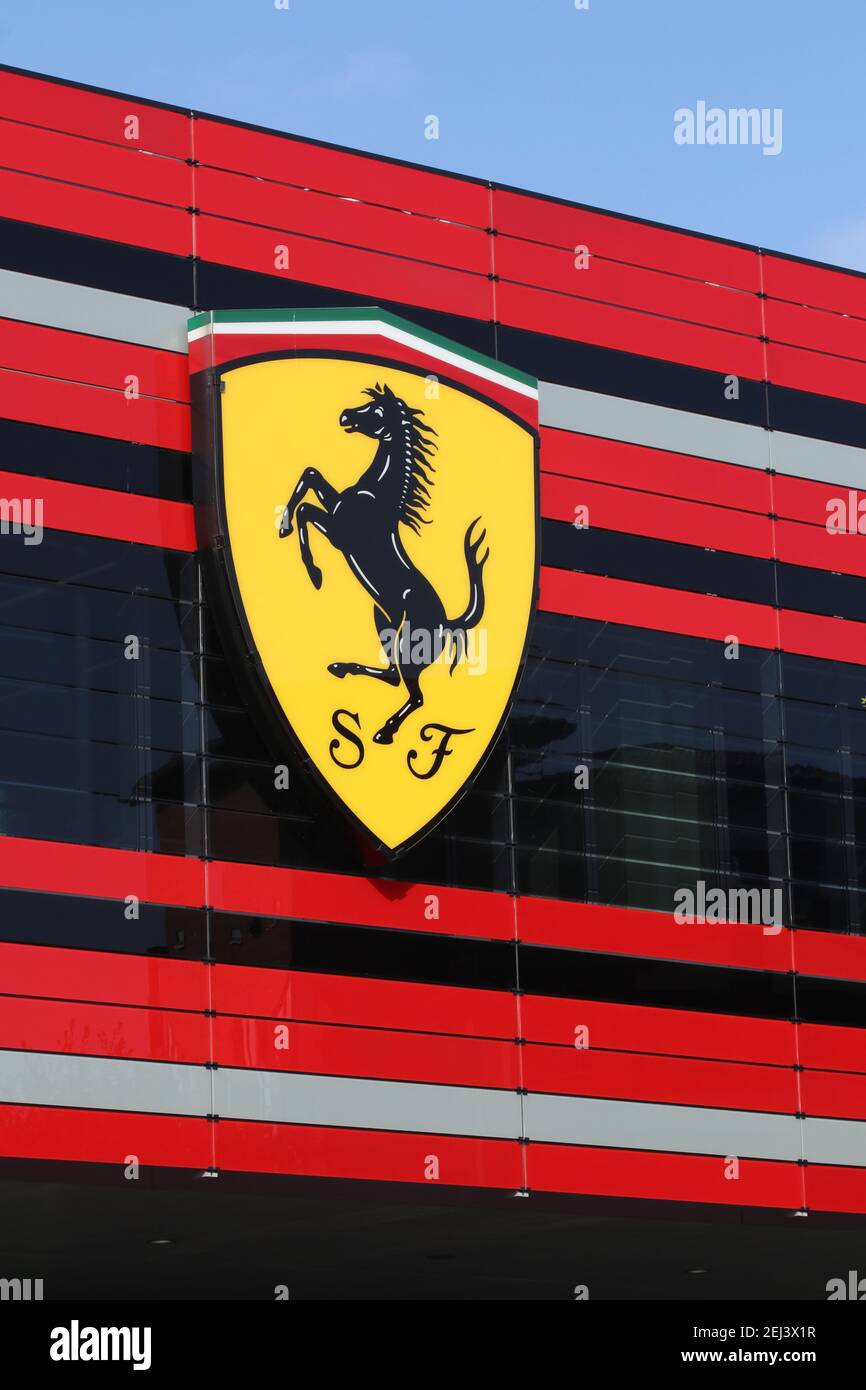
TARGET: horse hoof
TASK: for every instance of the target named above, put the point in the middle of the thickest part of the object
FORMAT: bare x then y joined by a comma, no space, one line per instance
315,576
286,531
383,736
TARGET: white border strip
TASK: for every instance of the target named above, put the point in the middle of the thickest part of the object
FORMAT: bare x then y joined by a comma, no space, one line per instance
366,327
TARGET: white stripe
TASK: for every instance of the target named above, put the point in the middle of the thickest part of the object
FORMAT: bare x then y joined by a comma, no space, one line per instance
367,327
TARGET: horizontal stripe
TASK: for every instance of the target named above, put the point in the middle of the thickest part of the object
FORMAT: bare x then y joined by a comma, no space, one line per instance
593,1071
103,1030
95,164
285,994
668,1128
628,464
308,164
641,1028
35,1078
91,212
71,405
835,333
100,1083
701,615
612,282
628,330
355,1103
43,101
55,973
127,367
67,1135
99,512
52,866
669,1177
815,420
105,1136
157,1035
643,514
638,422
33,299
95,871
341,219
824,287
624,239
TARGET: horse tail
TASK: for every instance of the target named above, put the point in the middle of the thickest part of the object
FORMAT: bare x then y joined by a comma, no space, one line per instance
474,611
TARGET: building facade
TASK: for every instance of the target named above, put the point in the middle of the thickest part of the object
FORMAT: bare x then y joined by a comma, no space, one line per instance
526,1002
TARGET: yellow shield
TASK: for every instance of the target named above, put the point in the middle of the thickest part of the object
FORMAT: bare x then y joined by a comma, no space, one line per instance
379,522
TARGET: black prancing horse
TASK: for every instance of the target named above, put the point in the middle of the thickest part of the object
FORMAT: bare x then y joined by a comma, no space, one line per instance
362,522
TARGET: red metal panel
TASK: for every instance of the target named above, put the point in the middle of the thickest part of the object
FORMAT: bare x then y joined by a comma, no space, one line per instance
805,500
372,180
94,511
91,212
91,871
347,220
666,518
55,352
653,935
832,1049
61,107
655,470
68,405
810,634
621,239
815,328
308,1150
830,953
104,1136
369,273
817,372
664,1177
285,994
323,1049
814,546
303,894
661,609
670,1080
103,1030
94,164
834,1093
636,1028
628,330
835,1189
840,290
612,282
56,973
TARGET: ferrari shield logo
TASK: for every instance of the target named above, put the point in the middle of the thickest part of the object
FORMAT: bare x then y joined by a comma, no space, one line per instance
369,503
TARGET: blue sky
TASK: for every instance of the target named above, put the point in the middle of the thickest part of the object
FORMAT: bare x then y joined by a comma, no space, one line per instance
576,103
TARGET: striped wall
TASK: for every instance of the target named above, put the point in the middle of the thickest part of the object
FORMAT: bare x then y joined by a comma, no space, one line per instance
266,1010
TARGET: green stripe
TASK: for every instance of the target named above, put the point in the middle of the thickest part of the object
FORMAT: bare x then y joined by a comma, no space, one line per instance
253,316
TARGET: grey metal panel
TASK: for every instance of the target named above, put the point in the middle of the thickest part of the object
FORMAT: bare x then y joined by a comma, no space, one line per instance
803,457
675,1128
835,1141
102,313
660,427
104,1083
358,1103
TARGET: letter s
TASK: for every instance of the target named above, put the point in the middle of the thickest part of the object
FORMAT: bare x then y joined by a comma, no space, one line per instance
347,733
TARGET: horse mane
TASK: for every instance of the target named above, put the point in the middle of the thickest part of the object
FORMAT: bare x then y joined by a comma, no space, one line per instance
415,457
